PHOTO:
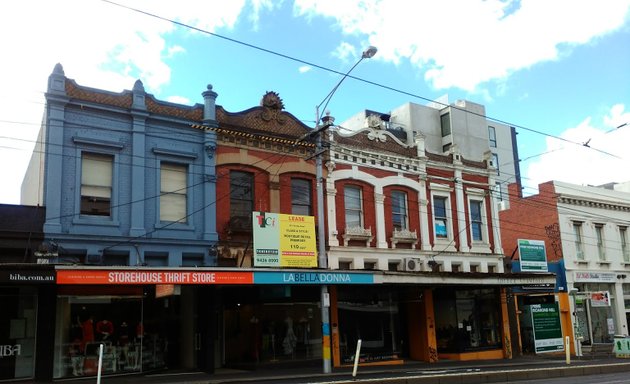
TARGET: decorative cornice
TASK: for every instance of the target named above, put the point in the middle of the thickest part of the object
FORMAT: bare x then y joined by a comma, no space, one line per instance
252,136
582,202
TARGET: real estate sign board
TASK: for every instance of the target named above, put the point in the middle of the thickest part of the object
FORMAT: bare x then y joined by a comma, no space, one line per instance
532,255
547,328
282,240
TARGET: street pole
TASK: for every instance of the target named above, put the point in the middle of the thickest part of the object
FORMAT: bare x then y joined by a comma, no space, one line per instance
322,259
321,253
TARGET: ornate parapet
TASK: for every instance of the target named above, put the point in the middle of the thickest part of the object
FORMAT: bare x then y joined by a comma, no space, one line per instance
404,236
358,233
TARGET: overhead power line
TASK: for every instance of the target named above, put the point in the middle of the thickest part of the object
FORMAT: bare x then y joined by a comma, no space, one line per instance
373,83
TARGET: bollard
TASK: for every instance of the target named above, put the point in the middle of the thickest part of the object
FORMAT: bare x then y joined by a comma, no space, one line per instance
100,363
567,349
356,359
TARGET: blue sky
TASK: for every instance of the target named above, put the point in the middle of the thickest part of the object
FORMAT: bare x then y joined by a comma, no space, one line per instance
558,67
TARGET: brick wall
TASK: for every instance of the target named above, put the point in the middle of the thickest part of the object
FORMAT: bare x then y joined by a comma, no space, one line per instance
528,217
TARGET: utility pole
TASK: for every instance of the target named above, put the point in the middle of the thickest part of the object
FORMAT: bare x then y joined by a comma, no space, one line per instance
322,259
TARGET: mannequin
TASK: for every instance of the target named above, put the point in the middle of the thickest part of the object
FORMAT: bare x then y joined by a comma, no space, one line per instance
87,331
289,339
104,329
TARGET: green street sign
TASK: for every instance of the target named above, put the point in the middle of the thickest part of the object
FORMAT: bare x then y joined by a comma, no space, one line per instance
533,256
547,328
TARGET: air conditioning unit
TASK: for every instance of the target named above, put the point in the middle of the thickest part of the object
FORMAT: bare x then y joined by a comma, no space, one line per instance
412,264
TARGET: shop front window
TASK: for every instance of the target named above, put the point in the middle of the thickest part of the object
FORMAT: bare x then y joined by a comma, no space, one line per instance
596,318
373,317
89,321
467,320
271,324
17,332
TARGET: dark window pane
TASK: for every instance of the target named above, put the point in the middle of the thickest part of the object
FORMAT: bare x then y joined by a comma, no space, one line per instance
301,197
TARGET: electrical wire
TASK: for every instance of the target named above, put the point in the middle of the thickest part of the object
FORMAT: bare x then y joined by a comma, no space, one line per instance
346,75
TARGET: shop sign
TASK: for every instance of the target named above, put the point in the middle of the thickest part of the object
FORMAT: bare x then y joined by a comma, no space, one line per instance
547,328
525,281
600,299
312,278
595,277
27,277
533,256
10,350
82,276
538,287
621,347
282,240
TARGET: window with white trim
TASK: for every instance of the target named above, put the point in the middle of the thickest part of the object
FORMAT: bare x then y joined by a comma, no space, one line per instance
445,122
495,162
599,236
353,206
173,192
492,136
476,220
577,236
440,216
96,184
399,210
623,240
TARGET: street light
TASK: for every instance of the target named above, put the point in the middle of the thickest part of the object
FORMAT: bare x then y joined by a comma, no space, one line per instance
321,251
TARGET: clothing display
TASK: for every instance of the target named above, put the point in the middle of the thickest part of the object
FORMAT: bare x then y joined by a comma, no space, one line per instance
104,329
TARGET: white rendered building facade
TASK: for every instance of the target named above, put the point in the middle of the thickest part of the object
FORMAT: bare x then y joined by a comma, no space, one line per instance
594,224
393,205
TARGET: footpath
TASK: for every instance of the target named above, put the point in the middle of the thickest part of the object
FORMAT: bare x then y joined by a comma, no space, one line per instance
412,372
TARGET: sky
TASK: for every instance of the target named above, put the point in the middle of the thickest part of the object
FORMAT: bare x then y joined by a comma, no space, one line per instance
557,70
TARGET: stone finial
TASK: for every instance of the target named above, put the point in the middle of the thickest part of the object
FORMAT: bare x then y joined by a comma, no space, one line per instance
58,70
138,86
139,96
57,81
420,143
209,104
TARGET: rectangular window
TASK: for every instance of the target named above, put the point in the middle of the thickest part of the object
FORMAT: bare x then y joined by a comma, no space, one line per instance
241,198
399,210
476,222
301,197
445,121
495,162
623,238
440,217
393,266
492,136
173,192
579,247
345,265
96,184
353,206
599,235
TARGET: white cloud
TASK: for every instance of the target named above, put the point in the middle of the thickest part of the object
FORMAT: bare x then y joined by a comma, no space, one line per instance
304,68
179,100
582,165
345,51
99,44
466,43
